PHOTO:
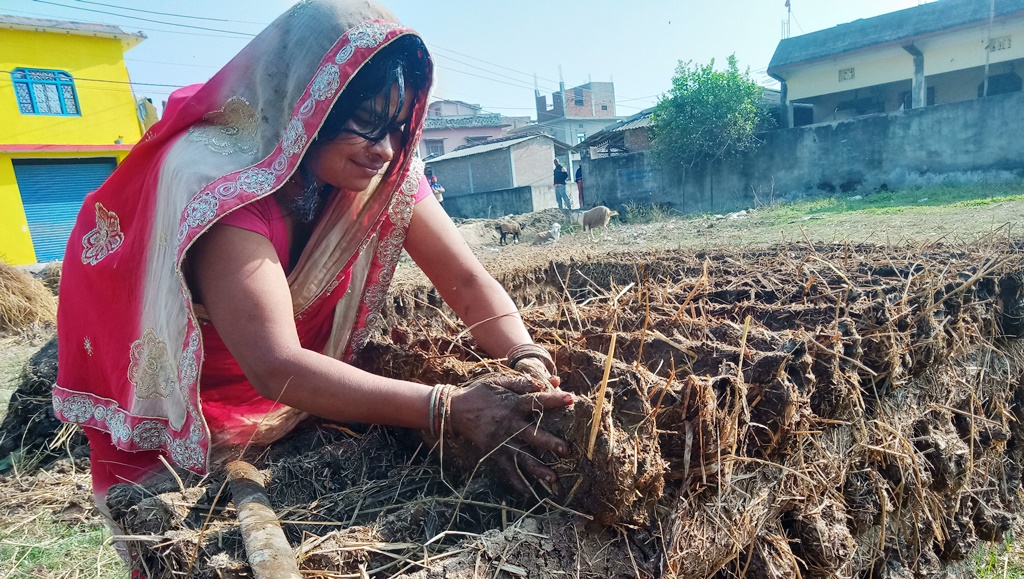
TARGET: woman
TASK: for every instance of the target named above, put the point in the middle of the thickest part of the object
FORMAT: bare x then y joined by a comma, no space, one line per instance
242,253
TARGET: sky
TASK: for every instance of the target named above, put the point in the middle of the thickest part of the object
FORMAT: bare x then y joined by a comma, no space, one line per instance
487,52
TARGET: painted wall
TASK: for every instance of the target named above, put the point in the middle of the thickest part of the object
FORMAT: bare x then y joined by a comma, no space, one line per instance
488,171
963,141
567,130
949,51
108,113
15,239
534,162
456,137
594,99
490,204
107,108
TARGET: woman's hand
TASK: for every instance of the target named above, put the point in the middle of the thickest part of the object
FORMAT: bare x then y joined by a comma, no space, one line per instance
535,368
489,414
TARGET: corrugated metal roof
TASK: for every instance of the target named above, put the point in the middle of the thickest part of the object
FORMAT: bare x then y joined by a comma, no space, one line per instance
640,120
484,148
887,28
69,27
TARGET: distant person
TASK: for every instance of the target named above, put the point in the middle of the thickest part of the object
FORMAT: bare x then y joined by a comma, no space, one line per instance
579,183
561,177
437,189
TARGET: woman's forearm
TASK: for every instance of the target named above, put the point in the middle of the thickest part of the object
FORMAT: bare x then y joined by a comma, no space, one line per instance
486,308
323,386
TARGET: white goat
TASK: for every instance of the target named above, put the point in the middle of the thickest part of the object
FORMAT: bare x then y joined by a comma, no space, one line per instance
596,217
551,235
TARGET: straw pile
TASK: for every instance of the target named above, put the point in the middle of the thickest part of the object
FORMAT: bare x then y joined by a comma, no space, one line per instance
24,300
825,411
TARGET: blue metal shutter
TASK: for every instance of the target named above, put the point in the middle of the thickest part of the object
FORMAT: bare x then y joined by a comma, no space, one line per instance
52,191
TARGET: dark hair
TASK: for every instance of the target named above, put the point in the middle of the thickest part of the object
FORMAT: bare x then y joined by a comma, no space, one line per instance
402,63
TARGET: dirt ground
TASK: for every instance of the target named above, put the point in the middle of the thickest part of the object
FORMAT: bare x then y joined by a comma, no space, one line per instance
904,232
765,226
908,228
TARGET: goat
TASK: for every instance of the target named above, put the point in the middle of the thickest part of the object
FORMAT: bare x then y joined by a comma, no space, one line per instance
507,227
551,235
596,217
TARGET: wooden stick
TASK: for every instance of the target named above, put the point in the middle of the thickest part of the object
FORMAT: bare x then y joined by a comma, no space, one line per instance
266,547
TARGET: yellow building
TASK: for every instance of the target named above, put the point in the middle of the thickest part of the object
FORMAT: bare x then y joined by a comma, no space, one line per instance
67,117
941,52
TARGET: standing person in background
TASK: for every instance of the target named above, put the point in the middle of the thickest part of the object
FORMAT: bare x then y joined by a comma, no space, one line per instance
579,183
437,189
561,176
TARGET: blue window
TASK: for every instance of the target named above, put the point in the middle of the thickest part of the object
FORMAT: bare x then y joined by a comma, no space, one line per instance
45,92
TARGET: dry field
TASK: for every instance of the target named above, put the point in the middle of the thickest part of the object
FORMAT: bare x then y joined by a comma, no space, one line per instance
783,397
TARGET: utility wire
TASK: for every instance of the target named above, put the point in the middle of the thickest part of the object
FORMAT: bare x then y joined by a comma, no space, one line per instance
148,28
173,63
169,13
482,68
77,78
144,19
492,63
521,83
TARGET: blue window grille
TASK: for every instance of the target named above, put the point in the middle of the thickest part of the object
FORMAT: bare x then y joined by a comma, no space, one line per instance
45,92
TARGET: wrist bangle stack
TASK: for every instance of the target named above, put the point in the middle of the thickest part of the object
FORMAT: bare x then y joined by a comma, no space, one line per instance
518,353
440,409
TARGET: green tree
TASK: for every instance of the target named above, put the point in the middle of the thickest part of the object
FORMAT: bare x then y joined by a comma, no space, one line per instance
709,115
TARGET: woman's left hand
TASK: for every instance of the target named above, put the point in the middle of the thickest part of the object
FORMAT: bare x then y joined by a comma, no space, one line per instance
535,368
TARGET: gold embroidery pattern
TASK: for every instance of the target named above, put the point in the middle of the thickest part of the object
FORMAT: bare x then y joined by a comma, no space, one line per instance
105,239
370,34
202,209
147,434
187,454
228,130
388,251
256,180
75,408
344,54
187,364
294,138
150,369
327,80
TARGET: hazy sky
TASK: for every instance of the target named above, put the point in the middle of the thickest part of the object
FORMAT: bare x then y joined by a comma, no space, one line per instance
487,51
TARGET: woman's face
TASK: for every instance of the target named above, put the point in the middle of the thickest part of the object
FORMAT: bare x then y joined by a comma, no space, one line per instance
350,162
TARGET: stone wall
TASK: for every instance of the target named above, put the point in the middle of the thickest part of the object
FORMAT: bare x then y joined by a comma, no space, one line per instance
957,142
466,175
491,204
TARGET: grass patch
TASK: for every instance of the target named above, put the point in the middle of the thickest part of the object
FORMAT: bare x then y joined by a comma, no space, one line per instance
644,213
998,560
900,201
44,547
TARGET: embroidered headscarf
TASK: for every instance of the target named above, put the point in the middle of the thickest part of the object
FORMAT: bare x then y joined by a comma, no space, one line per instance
130,346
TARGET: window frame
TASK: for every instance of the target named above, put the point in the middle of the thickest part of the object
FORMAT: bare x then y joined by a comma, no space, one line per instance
22,76
429,143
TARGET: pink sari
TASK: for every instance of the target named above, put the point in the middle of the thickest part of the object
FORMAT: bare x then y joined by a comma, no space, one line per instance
135,351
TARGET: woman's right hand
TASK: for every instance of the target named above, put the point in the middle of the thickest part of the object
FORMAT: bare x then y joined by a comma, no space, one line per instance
490,414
